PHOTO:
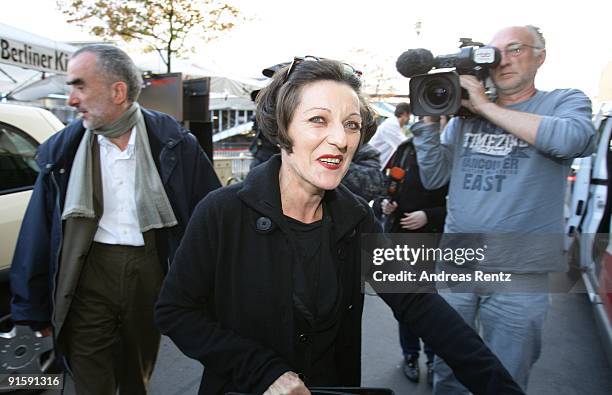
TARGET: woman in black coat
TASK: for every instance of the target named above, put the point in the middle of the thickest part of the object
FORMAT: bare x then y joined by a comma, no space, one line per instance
265,288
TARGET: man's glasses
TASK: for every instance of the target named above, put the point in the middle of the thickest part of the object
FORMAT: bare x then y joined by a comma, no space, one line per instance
516,50
309,58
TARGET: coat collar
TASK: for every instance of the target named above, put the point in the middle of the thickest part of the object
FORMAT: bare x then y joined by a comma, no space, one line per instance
59,149
261,191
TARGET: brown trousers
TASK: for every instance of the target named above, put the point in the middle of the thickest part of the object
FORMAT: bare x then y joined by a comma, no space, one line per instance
110,337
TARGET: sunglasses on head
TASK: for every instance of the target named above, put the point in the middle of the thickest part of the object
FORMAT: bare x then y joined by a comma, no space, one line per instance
309,58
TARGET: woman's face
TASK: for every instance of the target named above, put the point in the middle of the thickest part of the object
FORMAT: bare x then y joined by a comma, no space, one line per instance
325,131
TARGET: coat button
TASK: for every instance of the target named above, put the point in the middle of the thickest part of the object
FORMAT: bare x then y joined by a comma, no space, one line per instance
303,338
350,307
263,224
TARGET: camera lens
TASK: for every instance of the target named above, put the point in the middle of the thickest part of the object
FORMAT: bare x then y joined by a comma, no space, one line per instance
437,92
437,95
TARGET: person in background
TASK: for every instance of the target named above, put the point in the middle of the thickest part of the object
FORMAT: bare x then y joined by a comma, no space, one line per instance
414,209
390,134
261,148
108,210
364,177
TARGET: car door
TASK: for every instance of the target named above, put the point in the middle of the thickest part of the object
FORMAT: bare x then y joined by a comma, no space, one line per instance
18,171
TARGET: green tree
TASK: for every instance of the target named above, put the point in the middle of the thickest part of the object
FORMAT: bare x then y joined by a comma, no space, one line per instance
160,25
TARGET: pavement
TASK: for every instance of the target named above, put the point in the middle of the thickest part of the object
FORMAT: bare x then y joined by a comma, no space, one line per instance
572,361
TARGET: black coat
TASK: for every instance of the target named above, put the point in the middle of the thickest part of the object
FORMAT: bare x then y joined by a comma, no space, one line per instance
364,177
412,195
227,299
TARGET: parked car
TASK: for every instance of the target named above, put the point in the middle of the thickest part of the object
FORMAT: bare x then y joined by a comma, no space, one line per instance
22,129
588,226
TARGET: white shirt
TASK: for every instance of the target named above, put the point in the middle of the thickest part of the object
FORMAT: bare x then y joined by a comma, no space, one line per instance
119,222
387,138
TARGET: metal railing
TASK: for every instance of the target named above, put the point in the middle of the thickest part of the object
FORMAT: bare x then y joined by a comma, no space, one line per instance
232,165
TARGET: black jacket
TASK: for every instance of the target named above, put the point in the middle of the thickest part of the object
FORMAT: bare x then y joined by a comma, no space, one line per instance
412,195
227,299
364,177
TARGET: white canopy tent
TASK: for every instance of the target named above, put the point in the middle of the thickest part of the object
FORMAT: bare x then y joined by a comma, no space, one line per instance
29,61
32,67
227,91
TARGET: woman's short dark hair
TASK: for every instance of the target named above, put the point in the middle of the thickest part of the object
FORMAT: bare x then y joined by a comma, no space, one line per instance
277,102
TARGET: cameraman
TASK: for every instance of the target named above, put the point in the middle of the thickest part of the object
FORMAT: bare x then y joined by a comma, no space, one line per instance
507,169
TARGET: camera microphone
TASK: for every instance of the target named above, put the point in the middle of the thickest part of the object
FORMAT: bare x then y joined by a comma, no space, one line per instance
415,62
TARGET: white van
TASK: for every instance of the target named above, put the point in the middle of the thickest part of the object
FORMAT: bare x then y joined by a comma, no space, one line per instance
589,225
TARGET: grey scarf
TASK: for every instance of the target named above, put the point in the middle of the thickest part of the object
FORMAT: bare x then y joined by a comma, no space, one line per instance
152,204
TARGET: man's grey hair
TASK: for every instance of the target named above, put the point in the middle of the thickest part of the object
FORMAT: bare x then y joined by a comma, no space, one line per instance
538,37
116,65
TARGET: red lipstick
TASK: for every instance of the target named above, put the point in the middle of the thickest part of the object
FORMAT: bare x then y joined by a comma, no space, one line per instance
331,162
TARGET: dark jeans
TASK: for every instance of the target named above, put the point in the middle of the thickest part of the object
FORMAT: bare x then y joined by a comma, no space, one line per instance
110,336
411,343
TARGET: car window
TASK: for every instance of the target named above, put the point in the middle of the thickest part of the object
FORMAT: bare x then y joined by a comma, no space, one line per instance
18,168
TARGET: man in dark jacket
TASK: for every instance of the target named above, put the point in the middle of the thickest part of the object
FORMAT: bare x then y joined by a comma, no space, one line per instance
110,205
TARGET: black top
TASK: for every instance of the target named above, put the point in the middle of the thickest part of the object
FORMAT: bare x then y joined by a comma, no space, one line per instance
314,275
316,294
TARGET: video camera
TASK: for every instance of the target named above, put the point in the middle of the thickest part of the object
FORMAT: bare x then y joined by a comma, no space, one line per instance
439,93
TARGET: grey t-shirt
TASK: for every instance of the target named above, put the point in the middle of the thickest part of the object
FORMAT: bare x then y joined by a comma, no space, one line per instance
500,184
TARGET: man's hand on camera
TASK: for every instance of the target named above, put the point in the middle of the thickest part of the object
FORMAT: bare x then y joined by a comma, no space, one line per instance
288,384
478,98
521,124
388,207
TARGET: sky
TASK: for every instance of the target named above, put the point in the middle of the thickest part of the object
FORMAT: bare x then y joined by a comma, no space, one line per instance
372,34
